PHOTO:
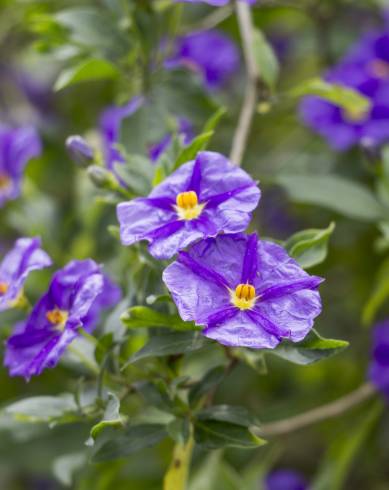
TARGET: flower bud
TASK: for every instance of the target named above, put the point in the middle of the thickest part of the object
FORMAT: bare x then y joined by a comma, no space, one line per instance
101,177
80,151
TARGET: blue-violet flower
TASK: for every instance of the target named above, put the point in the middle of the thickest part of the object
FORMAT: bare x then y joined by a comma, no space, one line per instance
245,292
201,199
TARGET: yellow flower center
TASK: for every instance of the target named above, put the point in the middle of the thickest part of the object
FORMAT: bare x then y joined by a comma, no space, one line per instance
57,317
244,296
5,181
379,68
355,115
187,205
3,288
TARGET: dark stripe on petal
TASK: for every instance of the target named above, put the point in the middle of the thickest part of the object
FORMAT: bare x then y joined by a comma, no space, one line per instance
267,325
222,316
249,266
195,180
202,271
166,203
283,289
164,230
217,199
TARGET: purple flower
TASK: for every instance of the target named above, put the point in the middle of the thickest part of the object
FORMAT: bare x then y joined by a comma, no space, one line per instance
80,150
202,198
379,366
17,147
244,291
366,69
196,51
25,256
75,298
285,480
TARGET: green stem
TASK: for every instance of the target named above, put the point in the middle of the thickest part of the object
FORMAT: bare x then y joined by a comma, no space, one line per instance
84,359
176,477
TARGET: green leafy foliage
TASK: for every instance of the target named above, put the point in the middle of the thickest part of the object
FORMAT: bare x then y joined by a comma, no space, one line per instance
226,426
312,349
133,439
266,59
345,97
170,344
92,69
144,317
50,409
309,247
343,196
112,417
379,294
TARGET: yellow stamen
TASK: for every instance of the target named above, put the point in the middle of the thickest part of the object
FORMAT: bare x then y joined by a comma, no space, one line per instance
3,288
188,206
379,68
244,296
5,181
355,115
57,317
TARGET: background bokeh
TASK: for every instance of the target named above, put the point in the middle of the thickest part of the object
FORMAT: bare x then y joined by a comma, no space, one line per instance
60,204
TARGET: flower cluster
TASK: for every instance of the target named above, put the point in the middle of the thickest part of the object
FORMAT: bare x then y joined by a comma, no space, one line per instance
243,291
366,69
75,298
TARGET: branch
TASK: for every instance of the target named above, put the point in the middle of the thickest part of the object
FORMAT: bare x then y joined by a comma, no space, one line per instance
248,107
319,414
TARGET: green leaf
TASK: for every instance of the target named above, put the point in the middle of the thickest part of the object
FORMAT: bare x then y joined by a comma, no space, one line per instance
179,430
214,473
93,69
337,463
332,192
213,434
188,153
214,120
133,439
309,247
345,97
112,417
94,28
137,172
170,344
44,409
103,346
144,317
210,380
266,59
312,349
228,413
65,466
255,359
379,294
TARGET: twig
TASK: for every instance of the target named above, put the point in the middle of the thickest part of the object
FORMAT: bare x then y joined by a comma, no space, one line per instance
330,410
248,107
214,19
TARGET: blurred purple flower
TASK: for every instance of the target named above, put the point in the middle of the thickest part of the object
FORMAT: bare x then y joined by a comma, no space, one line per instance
76,296
202,198
379,366
210,53
285,480
25,257
366,69
80,150
244,291
17,147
